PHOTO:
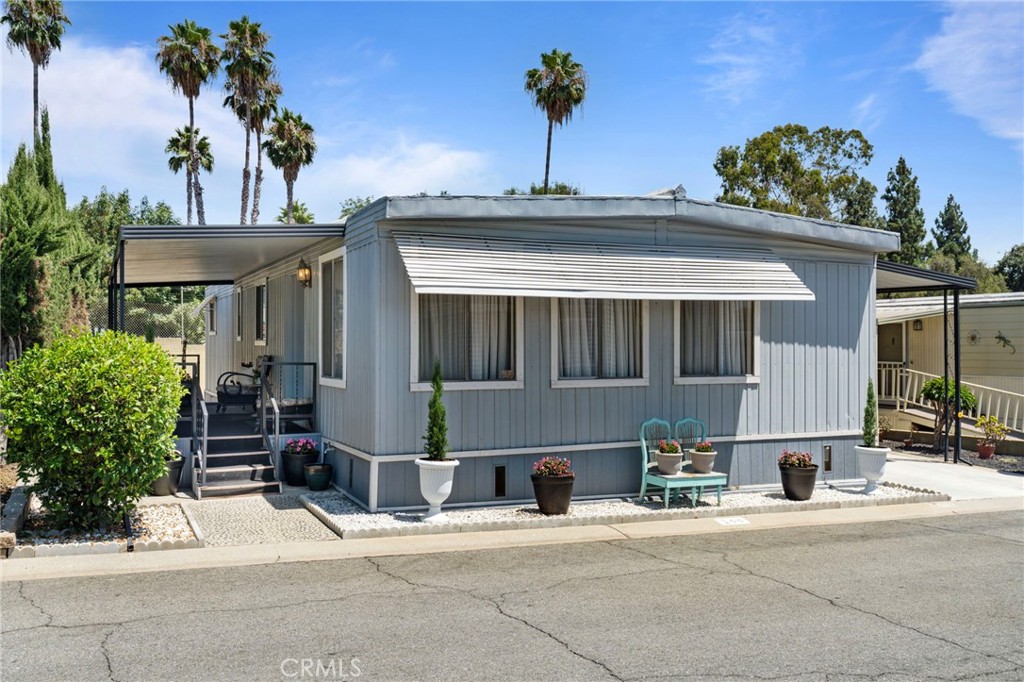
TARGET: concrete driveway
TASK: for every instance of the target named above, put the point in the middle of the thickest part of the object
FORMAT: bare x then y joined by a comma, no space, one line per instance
959,481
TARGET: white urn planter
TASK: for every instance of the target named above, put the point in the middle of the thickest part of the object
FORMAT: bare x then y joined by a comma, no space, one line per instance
871,464
436,478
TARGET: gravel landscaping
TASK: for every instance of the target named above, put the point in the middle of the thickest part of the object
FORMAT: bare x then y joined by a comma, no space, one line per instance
352,521
1013,464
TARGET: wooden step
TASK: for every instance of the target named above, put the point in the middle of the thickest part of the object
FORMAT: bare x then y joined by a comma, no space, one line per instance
231,488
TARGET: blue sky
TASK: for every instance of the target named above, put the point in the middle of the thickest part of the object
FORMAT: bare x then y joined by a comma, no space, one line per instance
428,97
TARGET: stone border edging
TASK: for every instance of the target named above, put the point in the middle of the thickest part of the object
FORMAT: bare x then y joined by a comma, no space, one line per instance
923,496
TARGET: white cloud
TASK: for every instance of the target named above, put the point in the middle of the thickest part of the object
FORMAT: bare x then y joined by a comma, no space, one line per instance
868,113
976,61
746,53
112,112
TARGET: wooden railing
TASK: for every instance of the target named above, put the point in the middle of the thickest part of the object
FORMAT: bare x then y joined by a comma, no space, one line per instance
903,386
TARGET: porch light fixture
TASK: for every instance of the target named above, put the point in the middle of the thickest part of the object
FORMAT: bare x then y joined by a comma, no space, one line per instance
918,325
304,273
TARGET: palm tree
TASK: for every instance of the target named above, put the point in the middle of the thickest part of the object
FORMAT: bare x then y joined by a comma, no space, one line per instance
558,87
262,113
301,215
36,27
179,146
190,59
290,147
249,67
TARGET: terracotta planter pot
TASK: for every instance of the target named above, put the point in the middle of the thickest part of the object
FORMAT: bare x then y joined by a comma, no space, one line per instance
703,462
553,493
798,482
986,451
669,462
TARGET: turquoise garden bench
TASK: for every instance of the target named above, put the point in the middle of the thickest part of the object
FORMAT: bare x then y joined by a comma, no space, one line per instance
654,430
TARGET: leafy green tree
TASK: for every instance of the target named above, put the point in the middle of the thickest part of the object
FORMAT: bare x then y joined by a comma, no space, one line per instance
179,147
989,281
859,207
562,188
950,233
558,87
436,439
290,147
790,169
35,27
249,67
353,204
1011,268
301,215
190,60
903,215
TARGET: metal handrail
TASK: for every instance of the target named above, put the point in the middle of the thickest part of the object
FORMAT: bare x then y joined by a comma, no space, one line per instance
280,379
267,399
1006,406
203,447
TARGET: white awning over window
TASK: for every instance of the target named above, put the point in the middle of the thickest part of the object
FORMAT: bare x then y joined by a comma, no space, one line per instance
444,264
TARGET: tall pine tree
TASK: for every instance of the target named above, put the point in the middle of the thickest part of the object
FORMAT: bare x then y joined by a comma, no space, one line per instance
903,214
950,233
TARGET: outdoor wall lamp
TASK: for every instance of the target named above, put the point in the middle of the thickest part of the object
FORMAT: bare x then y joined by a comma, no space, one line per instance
918,325
304,273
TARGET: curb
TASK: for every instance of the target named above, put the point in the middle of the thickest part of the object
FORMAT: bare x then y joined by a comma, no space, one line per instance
923,496
200,539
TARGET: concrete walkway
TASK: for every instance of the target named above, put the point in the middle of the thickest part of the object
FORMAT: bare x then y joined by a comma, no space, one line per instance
959,481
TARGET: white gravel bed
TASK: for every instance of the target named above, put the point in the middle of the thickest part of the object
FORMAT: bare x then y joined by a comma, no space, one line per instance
165,523
351,521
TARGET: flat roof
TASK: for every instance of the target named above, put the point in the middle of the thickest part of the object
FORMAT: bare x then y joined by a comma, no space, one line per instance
163,255
896,278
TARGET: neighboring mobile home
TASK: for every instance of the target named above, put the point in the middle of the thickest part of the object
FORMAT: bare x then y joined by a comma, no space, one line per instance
561,324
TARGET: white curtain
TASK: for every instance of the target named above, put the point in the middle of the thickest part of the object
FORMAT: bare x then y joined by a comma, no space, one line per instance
577,332
715,338
600,338
472,336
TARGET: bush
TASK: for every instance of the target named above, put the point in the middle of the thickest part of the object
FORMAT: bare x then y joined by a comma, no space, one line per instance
932,390
92,417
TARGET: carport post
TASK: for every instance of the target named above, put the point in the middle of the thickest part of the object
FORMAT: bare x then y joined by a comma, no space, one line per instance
956,373
120,265
945,374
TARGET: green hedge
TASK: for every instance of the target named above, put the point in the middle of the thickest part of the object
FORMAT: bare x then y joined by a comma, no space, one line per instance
92,417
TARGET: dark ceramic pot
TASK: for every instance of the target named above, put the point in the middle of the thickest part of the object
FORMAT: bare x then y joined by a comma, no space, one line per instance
318,476
168,483
553,493
294,473
798,482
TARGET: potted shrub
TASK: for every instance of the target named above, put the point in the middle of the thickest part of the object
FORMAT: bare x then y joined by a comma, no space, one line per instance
168,483
702,457
90,419
552,485
669,457
437,472
798,475
296,455
995,432
870,457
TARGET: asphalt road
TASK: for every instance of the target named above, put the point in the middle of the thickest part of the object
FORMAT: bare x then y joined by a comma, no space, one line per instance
939,598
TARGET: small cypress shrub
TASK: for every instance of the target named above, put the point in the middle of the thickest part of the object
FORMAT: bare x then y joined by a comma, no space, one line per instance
436,438
870,432
92,418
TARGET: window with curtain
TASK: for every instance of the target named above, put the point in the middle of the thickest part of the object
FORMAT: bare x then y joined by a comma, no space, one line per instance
599,339
716,338
472,336
332,318
211,325
261,314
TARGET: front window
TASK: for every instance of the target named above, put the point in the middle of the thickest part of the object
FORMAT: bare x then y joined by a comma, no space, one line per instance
238,314
332,315
599,339
473,337
716,338
261,314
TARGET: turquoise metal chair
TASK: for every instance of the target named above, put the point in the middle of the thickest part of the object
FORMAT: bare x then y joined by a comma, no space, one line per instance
689,432
651,432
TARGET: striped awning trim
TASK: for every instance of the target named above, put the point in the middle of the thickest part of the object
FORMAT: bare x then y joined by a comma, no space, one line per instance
445,264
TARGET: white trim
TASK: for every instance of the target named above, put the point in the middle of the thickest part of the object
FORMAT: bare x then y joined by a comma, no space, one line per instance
266,312
417,386
371,493
645,343
688,380
239,317
331,256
